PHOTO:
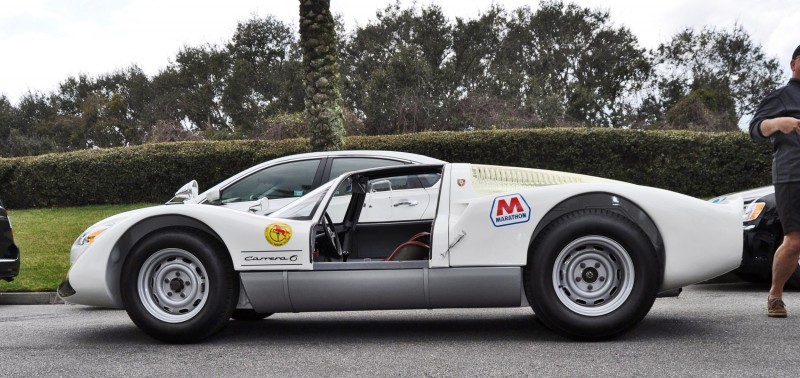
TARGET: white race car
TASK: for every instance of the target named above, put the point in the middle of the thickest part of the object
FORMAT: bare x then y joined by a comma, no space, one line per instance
589,255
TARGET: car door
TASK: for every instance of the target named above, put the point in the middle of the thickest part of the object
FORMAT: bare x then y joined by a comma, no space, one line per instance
339,165
413,197
404,204
282,184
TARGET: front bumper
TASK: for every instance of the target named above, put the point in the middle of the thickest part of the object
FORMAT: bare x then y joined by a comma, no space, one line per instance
65,290
762,237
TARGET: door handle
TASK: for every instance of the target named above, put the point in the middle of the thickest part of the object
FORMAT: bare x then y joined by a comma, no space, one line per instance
406,202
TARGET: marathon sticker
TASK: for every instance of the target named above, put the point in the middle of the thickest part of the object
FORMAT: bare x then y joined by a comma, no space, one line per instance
278,234
510,209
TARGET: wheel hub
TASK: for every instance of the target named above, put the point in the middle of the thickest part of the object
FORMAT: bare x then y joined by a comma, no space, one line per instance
176,285
589,275
172,285
593,275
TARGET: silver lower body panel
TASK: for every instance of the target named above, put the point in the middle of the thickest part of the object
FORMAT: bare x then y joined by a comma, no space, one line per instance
382,289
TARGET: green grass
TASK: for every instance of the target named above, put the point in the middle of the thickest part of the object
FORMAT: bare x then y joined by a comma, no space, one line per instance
45,237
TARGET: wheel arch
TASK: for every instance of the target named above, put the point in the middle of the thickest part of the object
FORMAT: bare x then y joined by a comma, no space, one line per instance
608,201
136,233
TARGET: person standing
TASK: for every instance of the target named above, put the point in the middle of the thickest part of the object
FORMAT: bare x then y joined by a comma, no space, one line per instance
777,119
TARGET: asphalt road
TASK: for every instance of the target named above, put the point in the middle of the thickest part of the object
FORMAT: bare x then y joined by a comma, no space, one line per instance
710,330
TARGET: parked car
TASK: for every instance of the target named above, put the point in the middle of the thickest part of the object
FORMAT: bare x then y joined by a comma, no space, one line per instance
763,235
588,255
9,252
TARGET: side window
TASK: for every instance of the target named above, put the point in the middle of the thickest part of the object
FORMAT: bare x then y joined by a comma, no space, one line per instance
287,180
429,180
406,182
342,165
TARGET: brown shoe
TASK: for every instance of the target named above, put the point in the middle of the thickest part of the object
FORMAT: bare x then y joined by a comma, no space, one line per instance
776,308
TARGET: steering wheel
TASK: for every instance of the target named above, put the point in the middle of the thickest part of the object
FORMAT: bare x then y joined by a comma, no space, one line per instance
330,234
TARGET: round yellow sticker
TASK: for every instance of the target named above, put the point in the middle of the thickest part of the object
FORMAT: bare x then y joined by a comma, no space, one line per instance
278,234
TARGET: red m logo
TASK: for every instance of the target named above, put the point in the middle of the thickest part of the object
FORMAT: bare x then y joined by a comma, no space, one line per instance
508,207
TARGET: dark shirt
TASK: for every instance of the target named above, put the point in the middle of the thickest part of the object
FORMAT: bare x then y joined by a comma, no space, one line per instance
783,102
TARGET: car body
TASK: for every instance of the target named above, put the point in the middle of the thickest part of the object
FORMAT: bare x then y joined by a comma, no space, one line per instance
9,252
589,255
763,234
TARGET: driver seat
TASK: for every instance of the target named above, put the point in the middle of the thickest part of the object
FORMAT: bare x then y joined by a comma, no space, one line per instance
412,249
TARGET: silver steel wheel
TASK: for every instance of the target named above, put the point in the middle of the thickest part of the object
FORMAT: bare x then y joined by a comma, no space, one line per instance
593,275
173,285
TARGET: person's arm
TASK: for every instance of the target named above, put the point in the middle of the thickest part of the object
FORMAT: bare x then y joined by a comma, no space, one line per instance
765,121
785,125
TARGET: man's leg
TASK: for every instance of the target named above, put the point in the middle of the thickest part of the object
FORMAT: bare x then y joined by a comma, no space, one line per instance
783,265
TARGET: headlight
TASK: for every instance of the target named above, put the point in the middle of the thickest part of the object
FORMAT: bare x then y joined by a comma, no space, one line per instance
88,236
752,211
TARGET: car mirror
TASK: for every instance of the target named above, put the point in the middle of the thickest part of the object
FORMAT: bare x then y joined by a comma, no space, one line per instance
212,197
186,192
380,186
260,206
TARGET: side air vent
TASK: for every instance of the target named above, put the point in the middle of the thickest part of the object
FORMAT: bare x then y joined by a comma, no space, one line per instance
490,179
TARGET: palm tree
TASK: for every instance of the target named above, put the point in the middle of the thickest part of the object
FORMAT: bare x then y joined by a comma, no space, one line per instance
323,85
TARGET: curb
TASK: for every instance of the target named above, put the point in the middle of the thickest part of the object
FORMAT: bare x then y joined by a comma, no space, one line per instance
29,298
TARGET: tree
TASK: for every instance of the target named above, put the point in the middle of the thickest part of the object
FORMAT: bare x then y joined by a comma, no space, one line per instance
200,74
107,111
9,117
265,74
396,70
571,63
322,80
727,61
708,107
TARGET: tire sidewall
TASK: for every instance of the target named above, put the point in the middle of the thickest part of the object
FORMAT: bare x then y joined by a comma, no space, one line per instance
222,288
539,282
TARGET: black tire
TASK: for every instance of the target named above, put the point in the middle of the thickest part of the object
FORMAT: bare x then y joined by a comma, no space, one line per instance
249,315
195,268
591,237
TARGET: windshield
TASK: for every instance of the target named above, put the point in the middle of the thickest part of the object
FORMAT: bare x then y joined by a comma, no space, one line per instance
304,208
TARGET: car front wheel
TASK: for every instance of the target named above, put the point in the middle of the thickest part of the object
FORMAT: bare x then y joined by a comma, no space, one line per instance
179,286
592,274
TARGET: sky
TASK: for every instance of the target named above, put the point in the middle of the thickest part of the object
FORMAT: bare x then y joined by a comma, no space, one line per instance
43,42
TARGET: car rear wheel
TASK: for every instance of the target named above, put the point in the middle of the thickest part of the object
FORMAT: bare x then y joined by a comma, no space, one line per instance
179,286
592,274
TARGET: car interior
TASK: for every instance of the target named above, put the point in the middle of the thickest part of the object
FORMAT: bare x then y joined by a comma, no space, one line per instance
348,240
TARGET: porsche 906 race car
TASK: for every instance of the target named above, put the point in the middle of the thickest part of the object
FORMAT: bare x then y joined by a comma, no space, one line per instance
588,255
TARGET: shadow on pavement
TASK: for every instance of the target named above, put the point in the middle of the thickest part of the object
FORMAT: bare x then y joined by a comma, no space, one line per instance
288,329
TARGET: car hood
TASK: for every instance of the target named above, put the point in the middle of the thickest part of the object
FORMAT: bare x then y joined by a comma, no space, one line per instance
120,217
754,194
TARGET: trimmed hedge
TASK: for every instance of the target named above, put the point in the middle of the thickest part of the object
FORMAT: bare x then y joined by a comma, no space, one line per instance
698,164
